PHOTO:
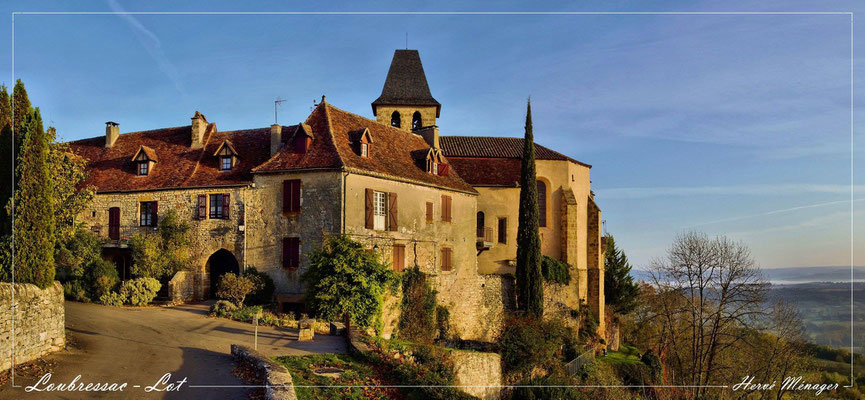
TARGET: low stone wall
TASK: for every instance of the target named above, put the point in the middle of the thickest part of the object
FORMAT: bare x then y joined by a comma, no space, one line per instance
39,321
478,374
181,287
276,377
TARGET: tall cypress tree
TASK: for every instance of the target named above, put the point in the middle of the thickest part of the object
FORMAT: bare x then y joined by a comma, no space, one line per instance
6,160
34,206
530,288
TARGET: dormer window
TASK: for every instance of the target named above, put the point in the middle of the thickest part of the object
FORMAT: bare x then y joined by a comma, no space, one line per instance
227,156
364,150
435,163
302,138
144,159
360,141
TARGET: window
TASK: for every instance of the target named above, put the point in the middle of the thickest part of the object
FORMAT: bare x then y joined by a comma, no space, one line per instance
225,163
446,259
480,222
398,257
429,212
219,205
542,204
148,213
364,150
446,208
143,168
394,119
503,230
416,122
379,210
291,252
114,223
291,195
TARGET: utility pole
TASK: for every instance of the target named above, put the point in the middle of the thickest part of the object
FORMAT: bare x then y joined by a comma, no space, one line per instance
276,103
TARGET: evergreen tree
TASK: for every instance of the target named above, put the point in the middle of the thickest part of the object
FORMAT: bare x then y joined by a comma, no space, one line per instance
620,290
34,206
6,161
530,289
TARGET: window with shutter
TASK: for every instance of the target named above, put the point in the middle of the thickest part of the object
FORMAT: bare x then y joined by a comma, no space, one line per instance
114,223
503,230
446,259
398,257
291,195
226,205
368,209
429,212
446,208
379,210
291,252
147,213
392,213
202,206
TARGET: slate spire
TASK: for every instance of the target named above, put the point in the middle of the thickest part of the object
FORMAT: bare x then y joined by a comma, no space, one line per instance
406,83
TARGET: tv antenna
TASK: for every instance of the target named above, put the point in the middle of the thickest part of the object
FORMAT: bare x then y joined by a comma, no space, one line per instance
276,103
406,40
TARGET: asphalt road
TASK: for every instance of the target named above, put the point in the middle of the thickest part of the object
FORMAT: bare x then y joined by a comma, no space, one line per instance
139,345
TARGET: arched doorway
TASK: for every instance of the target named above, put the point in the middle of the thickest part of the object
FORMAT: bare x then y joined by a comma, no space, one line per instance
220,263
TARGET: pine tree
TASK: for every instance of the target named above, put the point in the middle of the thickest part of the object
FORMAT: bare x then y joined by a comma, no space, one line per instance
620,290
530,288
34,214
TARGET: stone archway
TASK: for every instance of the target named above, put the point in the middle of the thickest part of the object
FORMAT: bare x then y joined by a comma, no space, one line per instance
220,263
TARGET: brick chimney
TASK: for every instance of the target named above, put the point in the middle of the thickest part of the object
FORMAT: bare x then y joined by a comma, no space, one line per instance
199,126
112,132
275,138
430,134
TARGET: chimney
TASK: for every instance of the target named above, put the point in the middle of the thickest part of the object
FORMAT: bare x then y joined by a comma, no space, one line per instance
275,138
430,134
199,126
112,132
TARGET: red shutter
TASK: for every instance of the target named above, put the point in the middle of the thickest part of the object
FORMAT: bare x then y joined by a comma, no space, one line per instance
295,195
398,257
114,223
154,211
443,169
286,195
446,208
291,252
429,211
369,211
286,259
446,259
392,212
202,206
226,205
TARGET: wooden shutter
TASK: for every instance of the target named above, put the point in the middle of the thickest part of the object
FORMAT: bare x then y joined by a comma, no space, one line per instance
291,195
291,252
443,169
503,230
226,205
446,259
286,195
446,208
369,209
295,195
392,212
202,206
429,212
114,223
398,257
154,213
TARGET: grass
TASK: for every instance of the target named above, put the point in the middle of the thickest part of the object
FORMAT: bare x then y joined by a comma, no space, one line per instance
357,373
625,355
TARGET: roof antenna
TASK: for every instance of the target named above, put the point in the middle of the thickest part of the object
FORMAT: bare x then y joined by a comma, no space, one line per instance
406,40
276,103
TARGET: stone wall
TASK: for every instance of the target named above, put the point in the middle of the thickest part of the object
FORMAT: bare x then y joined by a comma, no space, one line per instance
39,321
428,115
478,373
181,288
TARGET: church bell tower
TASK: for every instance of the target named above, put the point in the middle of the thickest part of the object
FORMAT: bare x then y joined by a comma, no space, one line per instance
406,101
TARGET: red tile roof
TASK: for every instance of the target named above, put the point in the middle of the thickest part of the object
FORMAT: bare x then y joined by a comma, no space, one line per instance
179,166
394,153
488,171
496,147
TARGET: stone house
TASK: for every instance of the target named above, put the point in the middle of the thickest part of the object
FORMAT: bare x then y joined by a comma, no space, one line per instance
266,197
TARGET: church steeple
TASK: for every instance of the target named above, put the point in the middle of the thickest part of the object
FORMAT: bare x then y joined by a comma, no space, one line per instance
406,101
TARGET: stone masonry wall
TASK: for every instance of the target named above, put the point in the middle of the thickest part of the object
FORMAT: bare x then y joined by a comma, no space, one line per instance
39,321
478,373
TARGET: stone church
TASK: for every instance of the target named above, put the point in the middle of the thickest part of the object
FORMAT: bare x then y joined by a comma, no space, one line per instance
266,197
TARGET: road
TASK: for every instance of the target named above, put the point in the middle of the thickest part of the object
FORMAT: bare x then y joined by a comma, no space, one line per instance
140,345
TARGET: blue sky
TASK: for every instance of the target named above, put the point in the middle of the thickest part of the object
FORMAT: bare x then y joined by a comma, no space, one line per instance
728,124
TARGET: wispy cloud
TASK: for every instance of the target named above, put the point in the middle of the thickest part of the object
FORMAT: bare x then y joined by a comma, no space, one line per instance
773,212
746,190
152,44
809,223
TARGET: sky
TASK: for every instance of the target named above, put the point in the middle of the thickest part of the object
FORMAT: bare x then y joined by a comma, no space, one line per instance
736,125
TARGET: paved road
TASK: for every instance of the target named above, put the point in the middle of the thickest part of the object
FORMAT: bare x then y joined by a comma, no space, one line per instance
139,345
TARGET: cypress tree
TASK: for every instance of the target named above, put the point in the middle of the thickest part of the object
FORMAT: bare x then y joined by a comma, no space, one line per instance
6,160
34,214
530,289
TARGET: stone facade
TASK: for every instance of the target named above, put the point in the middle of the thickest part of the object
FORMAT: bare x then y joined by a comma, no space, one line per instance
427,113
39,321
478,373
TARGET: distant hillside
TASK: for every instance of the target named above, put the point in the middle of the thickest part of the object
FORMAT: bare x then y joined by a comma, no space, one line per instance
794,274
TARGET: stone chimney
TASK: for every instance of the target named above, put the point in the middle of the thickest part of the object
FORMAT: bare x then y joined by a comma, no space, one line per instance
275,138
430,134
112,132
199,126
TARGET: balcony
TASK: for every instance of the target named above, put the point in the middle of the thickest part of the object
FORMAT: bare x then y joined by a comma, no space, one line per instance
118,236
485,238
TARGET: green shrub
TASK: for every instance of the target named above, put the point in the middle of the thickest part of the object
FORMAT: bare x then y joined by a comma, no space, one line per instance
427,375
550,387
161,254
100,278
222,308
234,288
417,320
74,290
443,322
656,369
527,342
246,314
140,291
112,299
264,286
555,271
76,253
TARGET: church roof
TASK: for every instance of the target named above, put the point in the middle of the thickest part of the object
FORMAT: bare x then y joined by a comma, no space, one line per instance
496,147
406,83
